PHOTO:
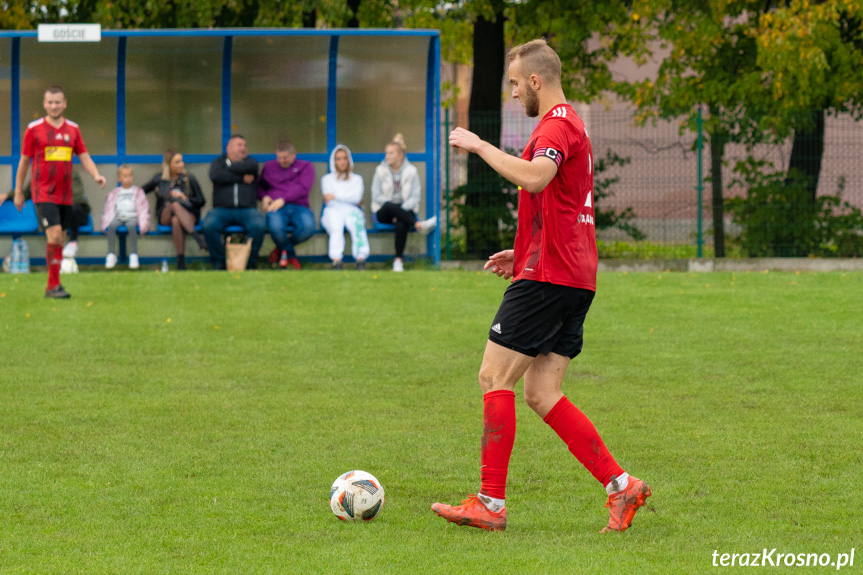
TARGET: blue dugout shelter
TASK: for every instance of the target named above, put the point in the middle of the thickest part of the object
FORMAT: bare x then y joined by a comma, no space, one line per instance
137,93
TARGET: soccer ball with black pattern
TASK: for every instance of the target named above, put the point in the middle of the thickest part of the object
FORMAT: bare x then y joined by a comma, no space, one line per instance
357,496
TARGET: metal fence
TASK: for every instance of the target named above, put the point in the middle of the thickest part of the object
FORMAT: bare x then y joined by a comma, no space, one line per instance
649,185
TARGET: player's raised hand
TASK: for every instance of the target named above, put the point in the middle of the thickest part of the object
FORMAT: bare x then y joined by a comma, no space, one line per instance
467,141
501,264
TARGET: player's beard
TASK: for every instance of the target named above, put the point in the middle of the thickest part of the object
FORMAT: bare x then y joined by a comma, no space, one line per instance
531,102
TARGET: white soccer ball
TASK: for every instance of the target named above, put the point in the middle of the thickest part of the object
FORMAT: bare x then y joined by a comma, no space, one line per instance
68,266
357,496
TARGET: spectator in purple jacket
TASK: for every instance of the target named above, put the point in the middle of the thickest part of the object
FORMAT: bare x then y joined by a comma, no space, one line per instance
284,188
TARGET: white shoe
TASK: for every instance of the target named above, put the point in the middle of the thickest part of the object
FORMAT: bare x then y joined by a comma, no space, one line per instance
428,225
110,261
70,250
133,262
398,266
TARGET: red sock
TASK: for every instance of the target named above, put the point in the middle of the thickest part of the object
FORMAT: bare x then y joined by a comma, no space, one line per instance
498,436
583,441
54,255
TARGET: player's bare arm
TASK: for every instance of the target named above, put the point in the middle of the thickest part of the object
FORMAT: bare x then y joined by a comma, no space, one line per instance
501,264
90,167
531,176
20,176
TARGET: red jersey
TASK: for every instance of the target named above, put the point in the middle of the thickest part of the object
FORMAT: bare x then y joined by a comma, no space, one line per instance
51,150
556,237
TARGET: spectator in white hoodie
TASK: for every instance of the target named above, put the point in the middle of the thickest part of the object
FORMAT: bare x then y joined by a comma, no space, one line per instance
343,196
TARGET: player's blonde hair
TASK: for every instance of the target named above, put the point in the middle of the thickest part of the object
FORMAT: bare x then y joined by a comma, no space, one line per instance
537,58
399,142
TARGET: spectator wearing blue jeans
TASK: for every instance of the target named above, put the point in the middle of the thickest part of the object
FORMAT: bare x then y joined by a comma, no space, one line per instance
284,188
234,175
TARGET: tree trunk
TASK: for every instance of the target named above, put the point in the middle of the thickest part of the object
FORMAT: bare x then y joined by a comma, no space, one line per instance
310,16
801,188
717,152
807,152
484,119
354,7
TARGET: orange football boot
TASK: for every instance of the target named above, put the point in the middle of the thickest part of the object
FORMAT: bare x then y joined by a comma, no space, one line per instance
623,505
473,513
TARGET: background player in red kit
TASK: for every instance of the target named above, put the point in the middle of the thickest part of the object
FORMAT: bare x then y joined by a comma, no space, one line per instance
539,326
50,143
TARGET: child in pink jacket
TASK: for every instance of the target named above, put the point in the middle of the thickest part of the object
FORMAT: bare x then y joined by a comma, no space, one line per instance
126,205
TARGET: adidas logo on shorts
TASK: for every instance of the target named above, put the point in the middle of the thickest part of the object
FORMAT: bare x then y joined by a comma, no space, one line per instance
496,328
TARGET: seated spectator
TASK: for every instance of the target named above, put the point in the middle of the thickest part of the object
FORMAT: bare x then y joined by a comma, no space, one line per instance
343,196
284,188
234,201
178,202
80,215
396,196
126,205
80,212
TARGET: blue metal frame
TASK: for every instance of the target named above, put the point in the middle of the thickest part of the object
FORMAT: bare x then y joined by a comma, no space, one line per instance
332,116
121,100
219,32
432,136
432,147
15,120
227,60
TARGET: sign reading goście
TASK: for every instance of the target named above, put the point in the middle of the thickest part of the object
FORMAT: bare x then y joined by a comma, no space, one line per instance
70,32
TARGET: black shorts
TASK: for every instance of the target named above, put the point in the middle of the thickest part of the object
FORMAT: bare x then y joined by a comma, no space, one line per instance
54,215
541,318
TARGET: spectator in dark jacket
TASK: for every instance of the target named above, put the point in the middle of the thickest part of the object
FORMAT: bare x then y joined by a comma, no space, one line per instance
235,198
178,202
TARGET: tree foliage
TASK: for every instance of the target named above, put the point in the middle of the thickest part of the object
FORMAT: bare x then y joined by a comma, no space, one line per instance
762,70
194,13
758,65
778,219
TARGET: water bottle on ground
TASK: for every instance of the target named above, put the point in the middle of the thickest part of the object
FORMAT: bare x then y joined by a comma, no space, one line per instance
164,265
24,254
15,258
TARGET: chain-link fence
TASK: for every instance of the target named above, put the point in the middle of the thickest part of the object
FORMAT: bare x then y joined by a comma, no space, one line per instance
799,197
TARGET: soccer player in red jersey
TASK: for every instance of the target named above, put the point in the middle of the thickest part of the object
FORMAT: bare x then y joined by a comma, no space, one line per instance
539,327
49,143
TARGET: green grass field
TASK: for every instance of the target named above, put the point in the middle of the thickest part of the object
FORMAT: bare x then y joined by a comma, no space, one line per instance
193,423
